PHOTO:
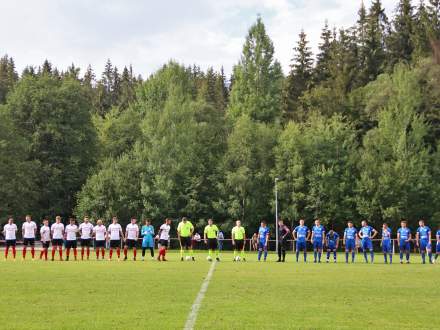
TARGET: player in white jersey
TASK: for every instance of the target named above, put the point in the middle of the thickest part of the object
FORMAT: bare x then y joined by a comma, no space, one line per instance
100,234
86,229
57,230
71,236
45,238
10,233
164,238
29,229
115,233
131,237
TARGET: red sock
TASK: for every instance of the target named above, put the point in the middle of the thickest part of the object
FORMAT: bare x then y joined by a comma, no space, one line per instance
97,253
60,251
53,251
75,252
33,252
102,253
41,254
45,254
82,253
24,252
6,252
14,252
88,252
118,252
134,252
111,253
164,253
68,252
125,252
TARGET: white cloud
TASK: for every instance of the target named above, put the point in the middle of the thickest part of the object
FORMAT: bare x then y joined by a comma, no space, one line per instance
149,33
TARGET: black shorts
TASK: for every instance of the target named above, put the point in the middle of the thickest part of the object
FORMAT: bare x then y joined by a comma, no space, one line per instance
86,242
115,243
239,243
28,241
163,242
45,244
71,244
131,243
283,244
99,244
212,243
185,242
11,242
57,242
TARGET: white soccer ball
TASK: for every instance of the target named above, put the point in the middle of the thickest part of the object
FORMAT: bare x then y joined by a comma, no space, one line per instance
209,258
188,258
237,258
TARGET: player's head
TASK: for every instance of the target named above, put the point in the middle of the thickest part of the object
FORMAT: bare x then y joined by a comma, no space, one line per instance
115,219
45,222
168,221
331,233
210,222
385,225
238,223
317,222
421,223
147,222
99,222
10,220
364,223
184,219
280,222
263,223
72,221
350,224
403,223
28,218
57,219
301,222
133,220
86,219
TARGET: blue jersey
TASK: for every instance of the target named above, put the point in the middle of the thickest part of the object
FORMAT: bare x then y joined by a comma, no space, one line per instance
424,233
386,234
404,233
318,232
332,239
438,233
262,234
301,233
147,231
350,233
366,232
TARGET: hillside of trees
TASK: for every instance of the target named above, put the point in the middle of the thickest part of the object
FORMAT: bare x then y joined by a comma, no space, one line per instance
352,132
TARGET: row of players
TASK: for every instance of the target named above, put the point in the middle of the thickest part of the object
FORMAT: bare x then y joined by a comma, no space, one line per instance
58,235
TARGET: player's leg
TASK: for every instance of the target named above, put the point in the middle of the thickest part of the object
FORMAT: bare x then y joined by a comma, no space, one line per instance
320,247
82,249
370,247
144,248
67,250
125,249
190,248
23,253
54,248
328,254
401,250
364,249
315,251
429,251
242,251
33,248
260,251
407,252
297,251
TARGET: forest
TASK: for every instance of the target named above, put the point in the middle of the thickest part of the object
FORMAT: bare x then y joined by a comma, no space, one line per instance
351,132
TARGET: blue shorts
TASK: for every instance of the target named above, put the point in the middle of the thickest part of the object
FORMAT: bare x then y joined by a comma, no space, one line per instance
317,244
147,242
331,247
405,246
301,245
425,244
437,248
367,244
386,246
261,246
350,244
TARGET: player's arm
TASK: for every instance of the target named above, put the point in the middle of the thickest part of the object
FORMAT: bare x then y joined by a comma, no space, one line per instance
398,238
337,242
294,234
205,239
312,237
22,229
267,239
417,238
35,231
121,233
375,232
233,238
409,237
344,238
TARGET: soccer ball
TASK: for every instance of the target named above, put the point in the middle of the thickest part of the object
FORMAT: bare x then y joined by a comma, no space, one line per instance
209,258
237,258
188,258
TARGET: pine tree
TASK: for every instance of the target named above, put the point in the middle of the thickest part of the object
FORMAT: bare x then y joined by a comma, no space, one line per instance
89,77
46,69
322,70
8,77
299,78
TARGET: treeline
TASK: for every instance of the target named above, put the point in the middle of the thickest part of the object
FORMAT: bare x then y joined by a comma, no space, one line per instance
351,133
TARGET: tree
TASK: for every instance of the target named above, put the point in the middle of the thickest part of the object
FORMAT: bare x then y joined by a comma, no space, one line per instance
322,69
8,77
257,82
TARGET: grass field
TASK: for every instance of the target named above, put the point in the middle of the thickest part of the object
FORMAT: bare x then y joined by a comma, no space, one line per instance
245,295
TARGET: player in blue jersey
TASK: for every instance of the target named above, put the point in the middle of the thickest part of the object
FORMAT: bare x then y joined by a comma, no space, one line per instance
386,243
404,239
332,243
263,240
366,234
317,239
350,241
147,233
301,235
437,246
423,241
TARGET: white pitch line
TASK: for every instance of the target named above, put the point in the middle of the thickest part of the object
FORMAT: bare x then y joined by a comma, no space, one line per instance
192,316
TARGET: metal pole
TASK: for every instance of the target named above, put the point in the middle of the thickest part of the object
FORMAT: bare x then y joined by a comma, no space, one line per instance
276,214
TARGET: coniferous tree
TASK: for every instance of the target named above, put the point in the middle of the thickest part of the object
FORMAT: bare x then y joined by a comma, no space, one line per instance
322,70
8,76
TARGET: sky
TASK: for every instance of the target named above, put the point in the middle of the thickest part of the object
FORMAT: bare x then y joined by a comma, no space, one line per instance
148,33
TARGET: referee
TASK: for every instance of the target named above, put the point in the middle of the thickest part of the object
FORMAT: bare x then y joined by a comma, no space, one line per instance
185,231
210,237
283,233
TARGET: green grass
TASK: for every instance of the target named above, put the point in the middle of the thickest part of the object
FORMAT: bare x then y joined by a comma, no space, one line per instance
251,295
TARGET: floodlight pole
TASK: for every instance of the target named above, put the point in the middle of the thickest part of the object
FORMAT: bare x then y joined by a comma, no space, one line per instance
276,214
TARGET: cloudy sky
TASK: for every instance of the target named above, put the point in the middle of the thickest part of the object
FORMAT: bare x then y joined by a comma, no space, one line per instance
147,33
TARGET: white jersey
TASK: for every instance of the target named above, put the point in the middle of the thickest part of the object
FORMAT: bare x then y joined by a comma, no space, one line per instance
71,231
45,233
115,231
132,231
165,232
86,230
29,229
100,232
10,231
57,230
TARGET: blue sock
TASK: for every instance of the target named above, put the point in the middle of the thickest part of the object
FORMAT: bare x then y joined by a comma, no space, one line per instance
346,257
372,256
319,256
365,256
328,255
423,257
407,256
352,256
259,255
401,256
430,256
391,258
334,255
265,254
305,256
297,255
385,257
314,255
